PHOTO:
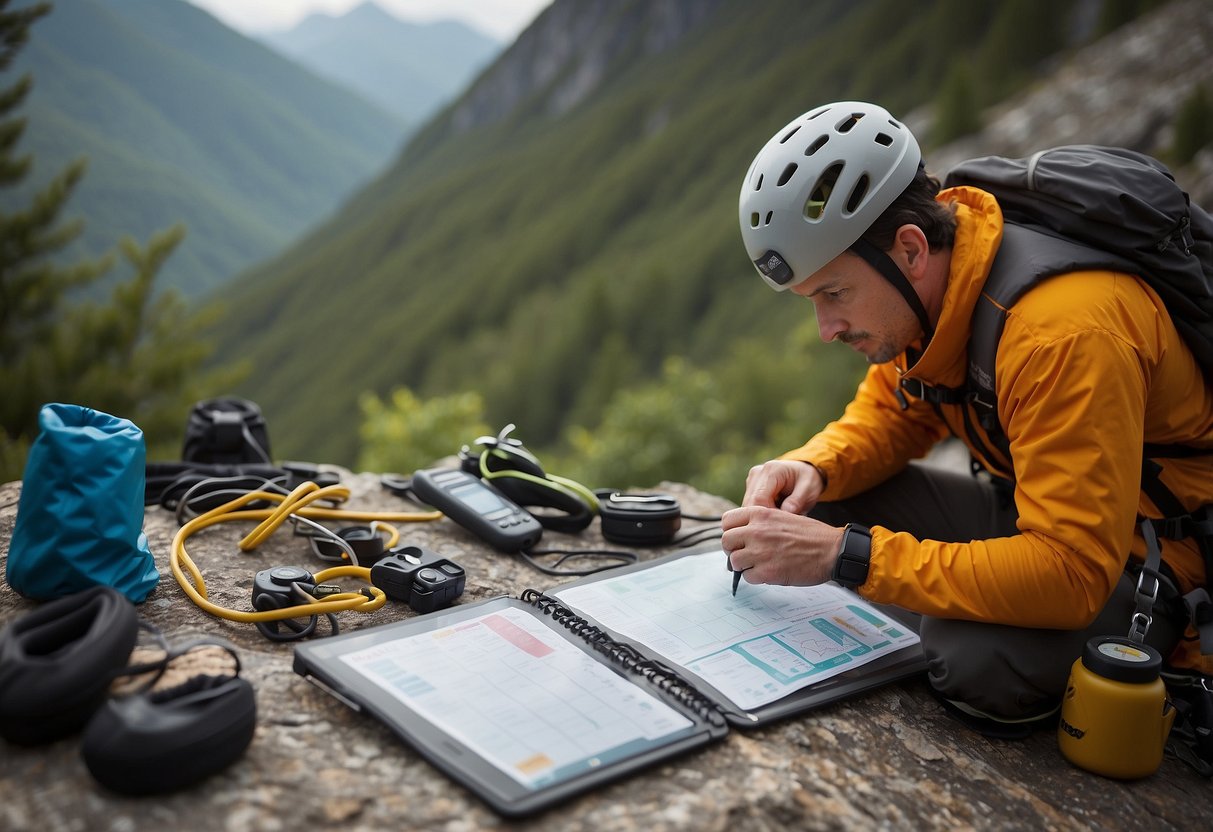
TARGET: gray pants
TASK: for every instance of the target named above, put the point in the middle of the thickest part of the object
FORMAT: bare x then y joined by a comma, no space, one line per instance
1008,672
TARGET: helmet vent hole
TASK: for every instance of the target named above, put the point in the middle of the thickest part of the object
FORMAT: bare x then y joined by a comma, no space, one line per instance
851,121
789,134
817,144
758,186
787,174
885,139
858,193
769,215
815,205
754,220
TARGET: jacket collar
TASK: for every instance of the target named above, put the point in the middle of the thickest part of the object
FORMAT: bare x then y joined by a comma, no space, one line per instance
978,234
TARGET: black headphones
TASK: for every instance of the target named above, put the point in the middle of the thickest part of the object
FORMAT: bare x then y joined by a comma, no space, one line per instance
56,666
514,470
58,660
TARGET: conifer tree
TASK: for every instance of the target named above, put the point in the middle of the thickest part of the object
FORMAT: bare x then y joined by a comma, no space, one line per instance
1193,126
136,355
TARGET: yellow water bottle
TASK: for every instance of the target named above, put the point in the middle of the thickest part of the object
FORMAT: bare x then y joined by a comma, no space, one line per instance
1115,716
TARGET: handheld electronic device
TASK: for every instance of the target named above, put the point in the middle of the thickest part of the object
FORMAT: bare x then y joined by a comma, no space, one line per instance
478,507
422,579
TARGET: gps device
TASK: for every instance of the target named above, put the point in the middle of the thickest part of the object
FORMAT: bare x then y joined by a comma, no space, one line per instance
478,507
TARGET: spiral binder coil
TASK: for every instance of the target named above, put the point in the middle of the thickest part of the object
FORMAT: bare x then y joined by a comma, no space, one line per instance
663,677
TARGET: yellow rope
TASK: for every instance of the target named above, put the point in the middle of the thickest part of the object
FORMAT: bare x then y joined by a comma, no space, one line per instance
298,502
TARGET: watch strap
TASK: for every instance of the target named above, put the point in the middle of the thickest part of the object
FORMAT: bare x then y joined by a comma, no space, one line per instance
855,556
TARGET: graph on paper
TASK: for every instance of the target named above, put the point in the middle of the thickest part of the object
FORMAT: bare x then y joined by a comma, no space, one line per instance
754,648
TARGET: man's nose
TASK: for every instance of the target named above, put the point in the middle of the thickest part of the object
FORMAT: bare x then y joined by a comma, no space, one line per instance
829,326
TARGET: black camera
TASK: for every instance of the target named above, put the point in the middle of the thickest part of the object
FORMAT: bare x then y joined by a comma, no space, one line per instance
422,579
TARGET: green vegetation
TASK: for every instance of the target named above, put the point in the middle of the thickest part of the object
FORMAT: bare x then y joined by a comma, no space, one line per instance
137,355
956,111
1193,126
556,261
183,120
405,433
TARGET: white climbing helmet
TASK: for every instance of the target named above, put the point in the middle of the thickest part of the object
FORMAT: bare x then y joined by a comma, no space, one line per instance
819,184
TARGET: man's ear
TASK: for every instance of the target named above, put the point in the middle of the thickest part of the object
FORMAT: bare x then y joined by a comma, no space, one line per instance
911,250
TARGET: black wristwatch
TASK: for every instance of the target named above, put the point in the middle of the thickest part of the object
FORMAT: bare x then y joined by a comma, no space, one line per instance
855,558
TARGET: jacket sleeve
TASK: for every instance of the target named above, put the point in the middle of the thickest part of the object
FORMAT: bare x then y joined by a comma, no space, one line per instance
1074,409
874,439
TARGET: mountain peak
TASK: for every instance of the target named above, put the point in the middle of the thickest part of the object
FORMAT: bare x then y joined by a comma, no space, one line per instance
370,12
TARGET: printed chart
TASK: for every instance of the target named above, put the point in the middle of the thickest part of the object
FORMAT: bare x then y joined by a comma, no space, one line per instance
520,696
754,648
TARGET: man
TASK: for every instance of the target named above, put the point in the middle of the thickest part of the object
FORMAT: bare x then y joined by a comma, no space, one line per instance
1010,580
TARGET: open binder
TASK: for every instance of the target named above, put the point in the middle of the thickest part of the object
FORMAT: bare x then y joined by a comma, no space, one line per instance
528,701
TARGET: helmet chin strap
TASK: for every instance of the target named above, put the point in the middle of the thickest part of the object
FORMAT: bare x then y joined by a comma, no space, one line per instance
884,264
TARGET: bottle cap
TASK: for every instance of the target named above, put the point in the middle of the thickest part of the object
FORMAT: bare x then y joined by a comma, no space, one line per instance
1122,660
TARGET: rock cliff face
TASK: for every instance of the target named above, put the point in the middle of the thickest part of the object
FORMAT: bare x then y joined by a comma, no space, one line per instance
1122,90
566,54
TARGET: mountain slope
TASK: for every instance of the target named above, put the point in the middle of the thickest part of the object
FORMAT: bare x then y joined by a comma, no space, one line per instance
406,69
571,221
184,120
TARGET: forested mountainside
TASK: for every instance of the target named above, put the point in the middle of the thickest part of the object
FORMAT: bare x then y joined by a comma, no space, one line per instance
183,120
569,223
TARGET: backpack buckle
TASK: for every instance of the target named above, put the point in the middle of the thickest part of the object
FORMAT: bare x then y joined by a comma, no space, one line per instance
1172,528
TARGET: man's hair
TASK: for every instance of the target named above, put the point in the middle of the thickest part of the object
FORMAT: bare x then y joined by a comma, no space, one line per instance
916,206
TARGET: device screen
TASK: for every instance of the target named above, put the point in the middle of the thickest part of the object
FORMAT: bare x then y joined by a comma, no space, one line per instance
478,498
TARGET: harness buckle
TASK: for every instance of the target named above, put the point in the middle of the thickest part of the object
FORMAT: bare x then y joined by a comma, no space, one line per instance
913,386
1172,528
1148,597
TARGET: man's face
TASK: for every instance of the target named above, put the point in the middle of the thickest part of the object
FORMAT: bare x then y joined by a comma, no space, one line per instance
857,306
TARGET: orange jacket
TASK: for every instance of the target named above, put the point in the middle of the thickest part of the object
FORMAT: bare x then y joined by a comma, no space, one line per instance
1088,364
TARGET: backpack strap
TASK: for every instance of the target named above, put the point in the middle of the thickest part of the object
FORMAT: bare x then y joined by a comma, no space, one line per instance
1027,255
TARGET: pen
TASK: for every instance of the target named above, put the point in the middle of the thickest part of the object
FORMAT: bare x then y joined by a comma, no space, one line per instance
736,580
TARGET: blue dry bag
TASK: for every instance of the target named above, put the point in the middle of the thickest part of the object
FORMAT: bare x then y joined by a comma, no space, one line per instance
80,519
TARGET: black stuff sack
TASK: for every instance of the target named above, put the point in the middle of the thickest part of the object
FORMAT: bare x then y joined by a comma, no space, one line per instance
80,517
227,431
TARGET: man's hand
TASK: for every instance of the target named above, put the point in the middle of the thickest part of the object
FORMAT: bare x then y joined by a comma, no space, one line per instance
784,484
774,546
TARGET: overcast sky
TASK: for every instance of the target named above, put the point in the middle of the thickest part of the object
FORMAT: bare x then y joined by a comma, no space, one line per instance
501,19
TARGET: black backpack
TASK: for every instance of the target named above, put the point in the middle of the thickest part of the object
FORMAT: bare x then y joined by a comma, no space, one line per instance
1088,207
1078,208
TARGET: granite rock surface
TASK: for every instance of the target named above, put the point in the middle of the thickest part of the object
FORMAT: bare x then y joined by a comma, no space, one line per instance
888,759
